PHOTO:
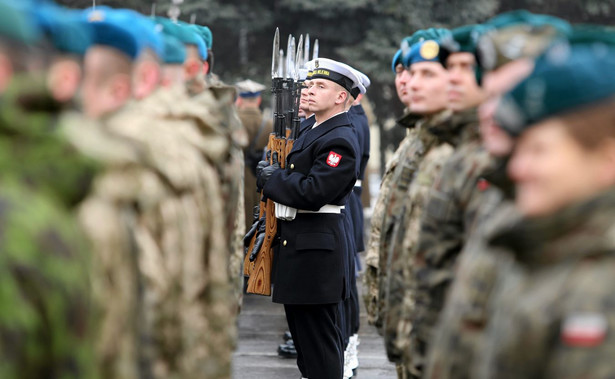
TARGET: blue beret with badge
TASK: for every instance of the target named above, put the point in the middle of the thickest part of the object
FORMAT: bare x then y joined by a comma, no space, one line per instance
423,46
66,29
565,78
114,29
463,40
16,23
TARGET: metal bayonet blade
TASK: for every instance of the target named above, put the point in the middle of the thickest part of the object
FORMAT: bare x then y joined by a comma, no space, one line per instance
299,63
315,49
306,49
282,68
275,68
290,61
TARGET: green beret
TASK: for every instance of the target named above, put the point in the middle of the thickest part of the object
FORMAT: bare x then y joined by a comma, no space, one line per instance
564,79
17,24
174,50
523,17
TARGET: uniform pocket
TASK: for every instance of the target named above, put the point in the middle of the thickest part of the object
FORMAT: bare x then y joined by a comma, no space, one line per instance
315,241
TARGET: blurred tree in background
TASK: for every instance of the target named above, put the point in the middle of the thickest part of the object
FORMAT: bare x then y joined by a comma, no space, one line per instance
364,33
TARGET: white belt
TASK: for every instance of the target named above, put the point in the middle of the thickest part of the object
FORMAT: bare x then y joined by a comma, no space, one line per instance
325,209
358,183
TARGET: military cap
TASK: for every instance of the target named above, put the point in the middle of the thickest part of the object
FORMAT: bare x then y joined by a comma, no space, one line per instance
423,46
365,82
184,33
174,50
249,88
16,23
67,31
463,39
518,34
396,60
114,29
565,78
338,72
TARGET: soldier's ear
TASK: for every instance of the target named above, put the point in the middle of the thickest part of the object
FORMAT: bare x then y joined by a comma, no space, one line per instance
121,88
6,72
205,68
63,79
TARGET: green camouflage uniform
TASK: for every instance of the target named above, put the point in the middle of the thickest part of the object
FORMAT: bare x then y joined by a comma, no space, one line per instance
553,313
375,259
449,215
46,309
454,343
421,173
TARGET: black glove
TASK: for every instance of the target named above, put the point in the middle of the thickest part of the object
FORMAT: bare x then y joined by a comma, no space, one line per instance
266,171
253,229
260,238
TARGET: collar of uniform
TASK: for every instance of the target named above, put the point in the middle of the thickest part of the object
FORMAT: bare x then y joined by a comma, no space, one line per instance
357,109
325,127
579,231
495,173
434,121
408,119
319,123
463,127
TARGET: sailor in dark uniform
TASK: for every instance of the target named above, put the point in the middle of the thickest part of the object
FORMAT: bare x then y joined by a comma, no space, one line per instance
312,273
354,211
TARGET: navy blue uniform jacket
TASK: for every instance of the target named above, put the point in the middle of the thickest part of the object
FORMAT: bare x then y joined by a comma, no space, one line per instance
312,261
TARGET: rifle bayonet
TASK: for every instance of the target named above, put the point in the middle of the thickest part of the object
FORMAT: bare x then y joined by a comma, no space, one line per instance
315,49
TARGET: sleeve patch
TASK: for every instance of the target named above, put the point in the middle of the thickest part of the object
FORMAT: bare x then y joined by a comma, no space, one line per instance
584,329
333,159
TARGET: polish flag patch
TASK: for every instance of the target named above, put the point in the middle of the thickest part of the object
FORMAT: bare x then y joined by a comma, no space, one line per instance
333,159
584,329
482,185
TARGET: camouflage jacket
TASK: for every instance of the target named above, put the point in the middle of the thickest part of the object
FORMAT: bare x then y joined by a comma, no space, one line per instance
421,172
375,267
455,340
46,308
553,310
448,218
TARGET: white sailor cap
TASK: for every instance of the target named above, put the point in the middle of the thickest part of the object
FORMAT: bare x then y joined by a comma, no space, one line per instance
249,88
337,72
364,79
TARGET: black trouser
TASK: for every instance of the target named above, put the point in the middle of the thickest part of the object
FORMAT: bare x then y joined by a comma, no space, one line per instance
318,339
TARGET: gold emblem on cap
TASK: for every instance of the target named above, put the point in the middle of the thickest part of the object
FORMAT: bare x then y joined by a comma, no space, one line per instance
316,63
96,16
429,50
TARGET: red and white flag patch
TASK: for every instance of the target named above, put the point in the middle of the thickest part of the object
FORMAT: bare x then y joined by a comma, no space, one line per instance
584,329
333,159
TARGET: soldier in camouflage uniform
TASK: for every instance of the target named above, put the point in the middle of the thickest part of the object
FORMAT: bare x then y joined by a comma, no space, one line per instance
48,317
551,313
453,345
452,202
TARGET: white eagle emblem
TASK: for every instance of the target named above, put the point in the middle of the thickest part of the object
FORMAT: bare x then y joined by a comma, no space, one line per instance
333,159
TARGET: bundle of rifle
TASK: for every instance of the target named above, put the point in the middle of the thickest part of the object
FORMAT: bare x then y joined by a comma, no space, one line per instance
286,89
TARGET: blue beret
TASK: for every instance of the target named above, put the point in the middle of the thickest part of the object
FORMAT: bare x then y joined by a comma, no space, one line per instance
206,34
564,79
174,50
396,60
184,33
423,46
16,23
149,35
68,32
114,29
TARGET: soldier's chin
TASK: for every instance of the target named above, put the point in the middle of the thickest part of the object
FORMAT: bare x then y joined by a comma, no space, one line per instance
530,203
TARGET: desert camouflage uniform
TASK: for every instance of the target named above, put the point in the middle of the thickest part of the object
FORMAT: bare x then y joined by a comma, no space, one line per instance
375,259
218,101
553,313
46,309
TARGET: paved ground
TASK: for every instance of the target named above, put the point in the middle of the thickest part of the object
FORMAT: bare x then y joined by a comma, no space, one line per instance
261,325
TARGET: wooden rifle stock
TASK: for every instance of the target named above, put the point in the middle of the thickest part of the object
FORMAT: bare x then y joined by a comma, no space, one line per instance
260,276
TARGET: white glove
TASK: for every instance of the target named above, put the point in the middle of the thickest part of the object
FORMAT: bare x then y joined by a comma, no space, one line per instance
284,212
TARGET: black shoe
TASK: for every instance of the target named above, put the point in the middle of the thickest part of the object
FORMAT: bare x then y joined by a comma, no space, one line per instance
287,350
287,336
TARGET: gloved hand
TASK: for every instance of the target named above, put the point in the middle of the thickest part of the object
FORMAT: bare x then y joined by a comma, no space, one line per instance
260,238
266,171
253,229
